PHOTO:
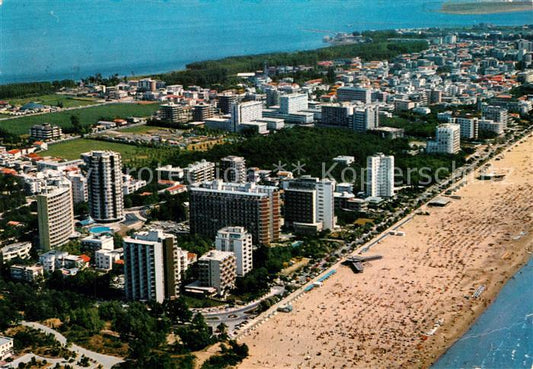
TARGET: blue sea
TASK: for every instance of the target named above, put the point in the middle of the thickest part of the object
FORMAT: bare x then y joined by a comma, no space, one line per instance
502,338
57,39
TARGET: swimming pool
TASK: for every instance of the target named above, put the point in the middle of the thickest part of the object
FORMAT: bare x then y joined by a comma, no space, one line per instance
102,229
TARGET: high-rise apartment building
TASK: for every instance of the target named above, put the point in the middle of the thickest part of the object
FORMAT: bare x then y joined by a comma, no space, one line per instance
365,118
80,191
336,115
202,112
380,175
238,241
310,201
152,266
55,214
495,113
245,112
225,102
469,127
233,169
447,139
354,94
104,176
175,113
293,103
215,205
217,269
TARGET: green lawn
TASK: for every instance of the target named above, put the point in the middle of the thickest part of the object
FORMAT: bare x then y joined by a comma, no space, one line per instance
53,100
87,116
133,156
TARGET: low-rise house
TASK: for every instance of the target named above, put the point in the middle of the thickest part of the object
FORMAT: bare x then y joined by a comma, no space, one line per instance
19,250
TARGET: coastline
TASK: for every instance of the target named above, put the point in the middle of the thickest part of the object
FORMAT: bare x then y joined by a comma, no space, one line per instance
485,8
438,269
505,296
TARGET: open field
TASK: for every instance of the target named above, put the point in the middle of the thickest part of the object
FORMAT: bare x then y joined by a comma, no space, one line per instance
486,7
54,100
131,155
87,116
140,129
385,316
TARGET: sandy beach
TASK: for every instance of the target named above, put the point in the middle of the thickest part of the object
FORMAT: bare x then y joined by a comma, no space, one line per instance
381,318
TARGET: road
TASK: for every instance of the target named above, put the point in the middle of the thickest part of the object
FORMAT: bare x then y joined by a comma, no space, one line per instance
232,317
107,361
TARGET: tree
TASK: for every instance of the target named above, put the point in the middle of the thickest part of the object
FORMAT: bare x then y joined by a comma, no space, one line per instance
76,124
177,310
197,335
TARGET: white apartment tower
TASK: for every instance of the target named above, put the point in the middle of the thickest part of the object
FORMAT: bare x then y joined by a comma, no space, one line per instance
469,127
380,175
447,139
55,214
80,192
365,118
106,201
152,266
293,103
245,112
238,241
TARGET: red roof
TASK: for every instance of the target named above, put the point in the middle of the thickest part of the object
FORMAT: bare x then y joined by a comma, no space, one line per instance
8,171
85,258
176,187
14,151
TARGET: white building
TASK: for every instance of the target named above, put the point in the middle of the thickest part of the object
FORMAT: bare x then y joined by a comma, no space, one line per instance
131,185
447,139
344,160
365,118
310,202
106,199
238,241
96,242
80,190
491,126
380,175
217,269
199,171
19,250
105,259
6,347
469,127
152,267
354,94
496,114
55,214
55,259
245,112
293,103
26,273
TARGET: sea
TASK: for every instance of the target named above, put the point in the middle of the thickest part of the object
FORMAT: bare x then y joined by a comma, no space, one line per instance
71,39
502,337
